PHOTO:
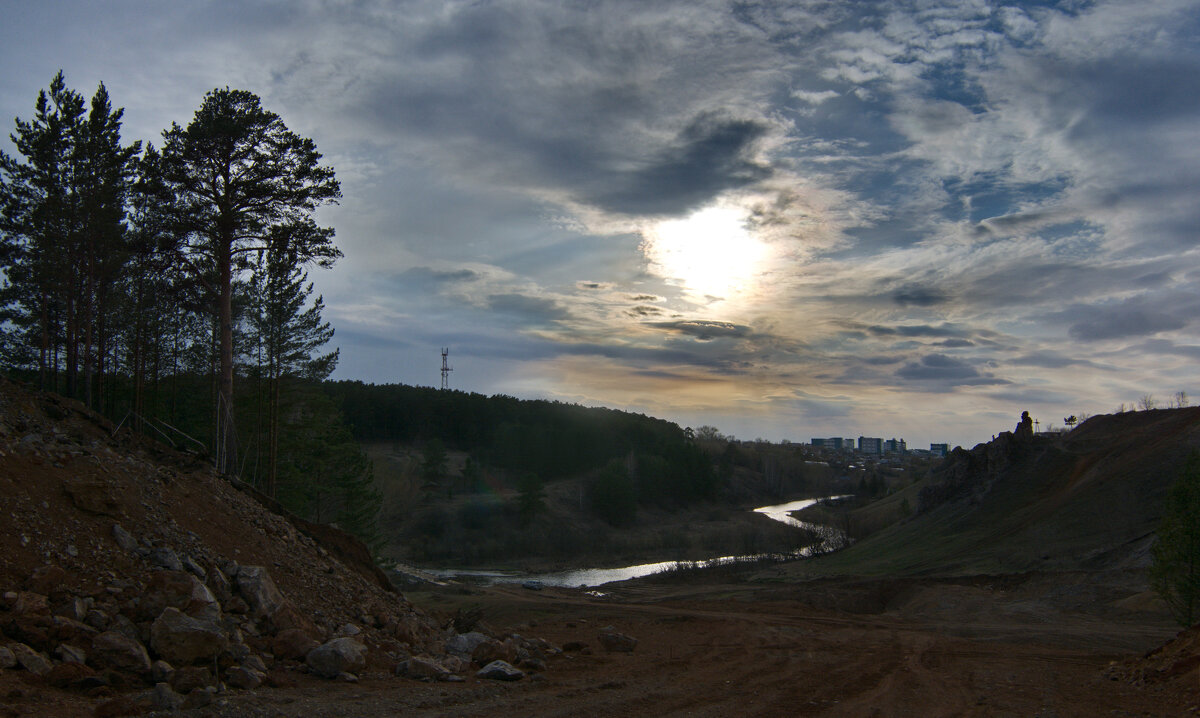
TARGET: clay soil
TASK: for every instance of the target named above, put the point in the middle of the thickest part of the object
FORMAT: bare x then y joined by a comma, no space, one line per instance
739,650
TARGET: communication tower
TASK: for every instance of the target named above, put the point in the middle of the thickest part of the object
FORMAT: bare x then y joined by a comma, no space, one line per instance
446,368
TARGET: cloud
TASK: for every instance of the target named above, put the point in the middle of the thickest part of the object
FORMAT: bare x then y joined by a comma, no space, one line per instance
1122,322
705,330
713,154
538,309
919,296
945,370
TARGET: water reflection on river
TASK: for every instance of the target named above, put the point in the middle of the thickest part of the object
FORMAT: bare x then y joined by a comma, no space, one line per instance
587,577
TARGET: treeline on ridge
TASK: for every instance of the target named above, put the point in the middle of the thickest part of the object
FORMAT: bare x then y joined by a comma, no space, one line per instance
651,460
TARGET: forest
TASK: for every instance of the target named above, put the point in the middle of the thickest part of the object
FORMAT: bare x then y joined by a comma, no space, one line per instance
167,288
142,280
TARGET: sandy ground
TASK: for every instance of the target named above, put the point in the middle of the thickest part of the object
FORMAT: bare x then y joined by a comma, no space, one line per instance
741,650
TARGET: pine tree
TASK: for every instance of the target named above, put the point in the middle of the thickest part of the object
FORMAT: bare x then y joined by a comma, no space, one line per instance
63,211
241,178
288,334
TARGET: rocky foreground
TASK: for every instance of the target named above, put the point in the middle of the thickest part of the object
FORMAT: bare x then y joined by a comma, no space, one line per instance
133,578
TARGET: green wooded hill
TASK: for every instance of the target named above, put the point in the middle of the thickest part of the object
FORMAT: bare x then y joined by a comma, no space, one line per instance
550,439
1090,499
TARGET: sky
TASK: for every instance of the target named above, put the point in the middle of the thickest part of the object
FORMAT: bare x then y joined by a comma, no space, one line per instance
784,219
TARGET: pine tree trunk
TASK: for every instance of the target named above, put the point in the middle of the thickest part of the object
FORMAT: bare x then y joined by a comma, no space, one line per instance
226,436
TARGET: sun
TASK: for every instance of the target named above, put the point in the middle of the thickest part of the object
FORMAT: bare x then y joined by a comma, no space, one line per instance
710,253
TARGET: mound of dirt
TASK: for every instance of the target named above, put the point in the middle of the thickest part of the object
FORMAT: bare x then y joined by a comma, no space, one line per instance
125,564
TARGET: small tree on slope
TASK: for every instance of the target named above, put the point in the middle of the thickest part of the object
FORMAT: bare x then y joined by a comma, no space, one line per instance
1175,573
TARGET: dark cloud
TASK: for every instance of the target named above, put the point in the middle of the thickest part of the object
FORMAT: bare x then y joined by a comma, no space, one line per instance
644,311
536,308
1050,359
954,343
915,330
712,155
705,330
919,296
1122,322
942,369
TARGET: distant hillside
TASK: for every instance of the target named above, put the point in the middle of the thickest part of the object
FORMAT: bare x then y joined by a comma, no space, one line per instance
1089,500
548,438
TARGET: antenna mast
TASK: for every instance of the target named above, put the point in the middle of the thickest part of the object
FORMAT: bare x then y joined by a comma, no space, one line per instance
446,368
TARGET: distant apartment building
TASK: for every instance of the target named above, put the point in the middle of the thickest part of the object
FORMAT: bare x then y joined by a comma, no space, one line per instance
939,449
895,446
836,443
870,445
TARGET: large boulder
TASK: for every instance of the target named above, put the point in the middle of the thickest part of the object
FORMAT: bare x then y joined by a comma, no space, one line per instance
259,591
31,660
463,645
181,590
181,639
116,650
341,655
93,495
500,671
423,669
615,642
293,644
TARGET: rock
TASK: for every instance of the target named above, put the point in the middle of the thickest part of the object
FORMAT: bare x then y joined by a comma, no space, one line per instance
117,707
30,660
124,539
423,669
574,646
116,650
63,629
70,654
197,698
347,629
347,678
93,495
493,650
74,608
336,656
219,584
190,565
256,586
66,675
161,671
7,658
30,603
463,645
46,579
177,589
162,698
615,642
500,671
288,616
189,678
124,625
293,644
242,677
255,663
164,557
181,639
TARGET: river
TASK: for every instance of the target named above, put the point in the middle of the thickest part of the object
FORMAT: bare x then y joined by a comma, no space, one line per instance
590,577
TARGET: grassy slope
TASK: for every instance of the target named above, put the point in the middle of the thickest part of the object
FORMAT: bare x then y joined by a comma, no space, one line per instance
1081,501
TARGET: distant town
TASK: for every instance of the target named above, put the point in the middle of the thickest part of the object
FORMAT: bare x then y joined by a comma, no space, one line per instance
877,446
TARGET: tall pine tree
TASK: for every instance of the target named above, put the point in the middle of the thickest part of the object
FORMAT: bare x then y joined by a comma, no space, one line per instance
239,175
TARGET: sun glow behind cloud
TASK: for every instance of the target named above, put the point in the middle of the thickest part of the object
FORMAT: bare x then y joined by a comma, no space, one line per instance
710,254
